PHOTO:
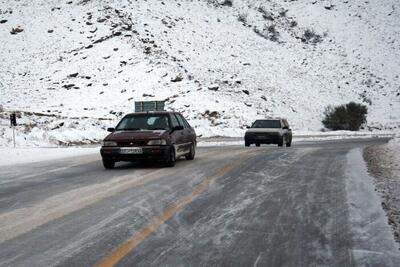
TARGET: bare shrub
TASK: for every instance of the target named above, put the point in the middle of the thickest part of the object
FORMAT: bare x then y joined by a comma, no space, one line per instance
242,18
273,34
265,13
309,36
269,32
293,23
282,13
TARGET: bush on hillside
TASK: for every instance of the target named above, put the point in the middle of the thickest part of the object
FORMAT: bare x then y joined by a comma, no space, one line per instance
269,33
242,17
265,13
345,117
227,3
309,36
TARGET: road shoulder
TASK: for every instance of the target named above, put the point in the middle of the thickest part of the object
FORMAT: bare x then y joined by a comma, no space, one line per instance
383,165
373,242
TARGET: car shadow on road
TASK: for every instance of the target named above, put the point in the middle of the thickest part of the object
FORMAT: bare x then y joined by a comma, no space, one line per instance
143,165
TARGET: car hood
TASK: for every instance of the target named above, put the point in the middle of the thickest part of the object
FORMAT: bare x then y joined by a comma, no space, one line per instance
264,130
135,135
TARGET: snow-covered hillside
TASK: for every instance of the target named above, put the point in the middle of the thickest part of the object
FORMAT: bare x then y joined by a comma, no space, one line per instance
76,66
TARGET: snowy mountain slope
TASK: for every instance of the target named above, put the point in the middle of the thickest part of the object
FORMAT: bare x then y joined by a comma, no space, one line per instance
78,61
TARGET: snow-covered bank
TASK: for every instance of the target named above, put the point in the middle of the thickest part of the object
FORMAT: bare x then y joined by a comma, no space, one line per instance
372,238
10,156
384,165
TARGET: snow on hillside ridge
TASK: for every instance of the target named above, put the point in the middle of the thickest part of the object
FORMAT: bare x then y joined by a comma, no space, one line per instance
83,63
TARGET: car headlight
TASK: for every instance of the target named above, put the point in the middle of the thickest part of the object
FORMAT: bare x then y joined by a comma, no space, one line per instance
157,142
109,143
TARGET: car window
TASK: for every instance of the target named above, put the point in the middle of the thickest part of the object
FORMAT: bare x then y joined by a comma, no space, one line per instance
186,122
181,123
266,124
143,122
174,121
285,123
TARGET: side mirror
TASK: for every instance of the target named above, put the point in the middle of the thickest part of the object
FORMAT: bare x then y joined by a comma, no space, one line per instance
248,127
110,130
285,128
178,128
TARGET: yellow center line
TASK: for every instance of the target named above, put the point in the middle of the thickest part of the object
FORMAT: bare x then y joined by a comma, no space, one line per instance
115,256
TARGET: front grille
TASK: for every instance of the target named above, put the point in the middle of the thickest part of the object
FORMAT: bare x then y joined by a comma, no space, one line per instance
132,143
265,134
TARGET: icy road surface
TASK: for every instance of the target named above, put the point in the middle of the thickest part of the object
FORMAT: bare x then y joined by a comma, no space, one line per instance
310,205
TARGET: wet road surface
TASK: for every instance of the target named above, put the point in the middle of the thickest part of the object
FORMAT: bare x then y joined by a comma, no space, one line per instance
231,206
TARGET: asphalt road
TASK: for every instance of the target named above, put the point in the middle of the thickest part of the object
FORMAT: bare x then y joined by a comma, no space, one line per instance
231,206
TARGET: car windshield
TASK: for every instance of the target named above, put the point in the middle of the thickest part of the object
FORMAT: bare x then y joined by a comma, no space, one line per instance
143,122
266,124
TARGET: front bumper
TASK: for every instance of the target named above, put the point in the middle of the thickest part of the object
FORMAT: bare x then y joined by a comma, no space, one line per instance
148,153
262,138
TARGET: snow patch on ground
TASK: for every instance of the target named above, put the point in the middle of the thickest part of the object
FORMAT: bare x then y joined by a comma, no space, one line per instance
372,237
10,156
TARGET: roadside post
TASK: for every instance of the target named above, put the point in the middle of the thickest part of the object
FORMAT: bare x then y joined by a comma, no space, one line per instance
13,122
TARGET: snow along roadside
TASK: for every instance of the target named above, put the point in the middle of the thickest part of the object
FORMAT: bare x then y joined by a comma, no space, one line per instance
11,156
299,136
373,241
384,165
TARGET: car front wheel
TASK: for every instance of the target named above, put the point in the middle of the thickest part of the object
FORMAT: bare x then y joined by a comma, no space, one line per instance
280,142
171,158
192,153
108,164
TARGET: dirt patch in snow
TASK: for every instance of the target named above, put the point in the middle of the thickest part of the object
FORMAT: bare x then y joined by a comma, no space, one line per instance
384,165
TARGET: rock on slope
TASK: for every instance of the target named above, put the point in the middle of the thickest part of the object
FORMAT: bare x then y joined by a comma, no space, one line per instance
220,64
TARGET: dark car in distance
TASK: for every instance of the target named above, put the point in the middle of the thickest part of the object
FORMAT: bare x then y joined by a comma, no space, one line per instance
158,136
269,131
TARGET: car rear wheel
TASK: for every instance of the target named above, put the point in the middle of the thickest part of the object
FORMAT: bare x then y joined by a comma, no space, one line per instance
171,159
289,144
192,153
257,144
108,164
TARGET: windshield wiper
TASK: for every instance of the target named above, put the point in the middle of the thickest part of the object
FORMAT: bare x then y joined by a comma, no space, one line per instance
157,128
130,129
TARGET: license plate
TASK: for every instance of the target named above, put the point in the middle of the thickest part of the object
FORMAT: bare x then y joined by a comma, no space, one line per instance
131,150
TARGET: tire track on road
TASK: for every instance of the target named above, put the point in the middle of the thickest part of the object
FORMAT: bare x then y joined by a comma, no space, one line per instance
23,220
155,223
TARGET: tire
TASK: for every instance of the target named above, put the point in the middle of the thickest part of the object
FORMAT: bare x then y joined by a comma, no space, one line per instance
257,144
289,144
280,142
192,153
171,159
108,164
